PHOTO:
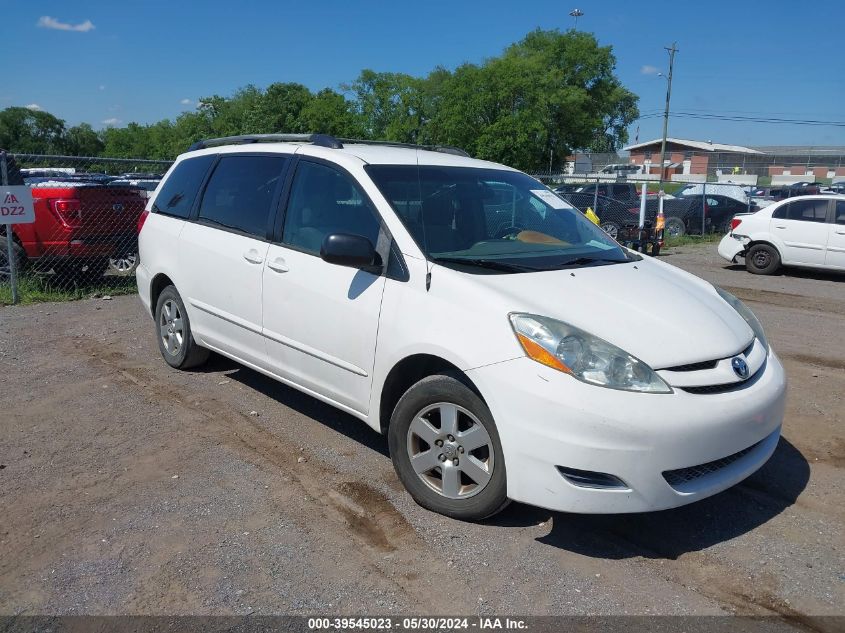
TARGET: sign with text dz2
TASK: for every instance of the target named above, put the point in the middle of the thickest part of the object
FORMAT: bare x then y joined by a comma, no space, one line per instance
16,205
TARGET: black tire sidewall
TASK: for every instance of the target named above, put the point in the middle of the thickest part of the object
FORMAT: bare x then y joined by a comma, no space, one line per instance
774,261
446,388
177,360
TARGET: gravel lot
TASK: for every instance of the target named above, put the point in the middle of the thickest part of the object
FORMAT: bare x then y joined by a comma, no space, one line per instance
129,487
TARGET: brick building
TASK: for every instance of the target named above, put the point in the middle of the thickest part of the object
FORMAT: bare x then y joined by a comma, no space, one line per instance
685,156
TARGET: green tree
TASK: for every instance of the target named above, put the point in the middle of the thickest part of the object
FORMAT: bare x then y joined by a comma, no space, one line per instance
82,140
548,94
390,105
328,112
31,131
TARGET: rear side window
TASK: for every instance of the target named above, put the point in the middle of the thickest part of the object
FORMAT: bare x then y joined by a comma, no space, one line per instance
840,211
180,189
803,210
240,191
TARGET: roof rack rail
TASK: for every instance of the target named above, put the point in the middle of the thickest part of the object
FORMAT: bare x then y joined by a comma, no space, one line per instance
445,149
323,140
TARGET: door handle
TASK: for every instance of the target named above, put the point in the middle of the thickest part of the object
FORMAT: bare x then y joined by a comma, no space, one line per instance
253,256
779,227
840,232
278,264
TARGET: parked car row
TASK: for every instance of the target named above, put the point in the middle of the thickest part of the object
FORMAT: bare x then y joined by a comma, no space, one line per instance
84,222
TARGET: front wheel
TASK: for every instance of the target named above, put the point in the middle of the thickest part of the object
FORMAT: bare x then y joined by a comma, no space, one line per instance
446,449
762,259
611,228
19,257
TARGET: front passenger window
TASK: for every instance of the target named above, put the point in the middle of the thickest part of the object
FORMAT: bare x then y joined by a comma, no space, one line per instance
322,201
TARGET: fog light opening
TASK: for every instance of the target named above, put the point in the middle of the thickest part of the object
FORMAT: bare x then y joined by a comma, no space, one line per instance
590,479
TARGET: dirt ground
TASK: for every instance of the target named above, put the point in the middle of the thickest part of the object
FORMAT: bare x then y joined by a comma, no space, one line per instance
127,487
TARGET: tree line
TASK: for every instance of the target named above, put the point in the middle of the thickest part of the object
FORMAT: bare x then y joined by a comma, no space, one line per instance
545,96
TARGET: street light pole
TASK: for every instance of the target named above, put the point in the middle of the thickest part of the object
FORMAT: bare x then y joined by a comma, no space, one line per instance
576,13
672,52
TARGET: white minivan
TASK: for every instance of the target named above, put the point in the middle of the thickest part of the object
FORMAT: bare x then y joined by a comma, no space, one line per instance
506,345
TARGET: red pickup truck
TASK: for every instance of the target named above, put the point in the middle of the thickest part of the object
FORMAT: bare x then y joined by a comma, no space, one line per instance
79,225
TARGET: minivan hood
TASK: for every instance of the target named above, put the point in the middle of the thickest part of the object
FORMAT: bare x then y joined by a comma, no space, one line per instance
659,313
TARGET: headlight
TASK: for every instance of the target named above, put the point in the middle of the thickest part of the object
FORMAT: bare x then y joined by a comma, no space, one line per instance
583,356
746,314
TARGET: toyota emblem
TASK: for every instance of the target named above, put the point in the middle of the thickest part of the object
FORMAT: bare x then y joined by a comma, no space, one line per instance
117,208
740,367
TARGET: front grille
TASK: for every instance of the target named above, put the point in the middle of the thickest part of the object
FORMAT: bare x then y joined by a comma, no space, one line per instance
715,388
705,364
681,476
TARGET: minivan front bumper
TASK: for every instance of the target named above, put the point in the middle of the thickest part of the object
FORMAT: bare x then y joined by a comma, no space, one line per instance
551,424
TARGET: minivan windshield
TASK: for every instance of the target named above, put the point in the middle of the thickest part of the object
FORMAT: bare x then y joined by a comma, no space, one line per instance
492,219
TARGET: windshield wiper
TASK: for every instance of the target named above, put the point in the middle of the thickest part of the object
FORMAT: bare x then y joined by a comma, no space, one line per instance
492,264
583,261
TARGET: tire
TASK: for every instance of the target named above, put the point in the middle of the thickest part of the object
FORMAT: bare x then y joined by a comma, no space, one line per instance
473,490
123,265
611,228
173,332
17,252
762,259
675,227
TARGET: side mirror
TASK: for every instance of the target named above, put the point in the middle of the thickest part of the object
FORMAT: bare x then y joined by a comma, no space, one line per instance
354,251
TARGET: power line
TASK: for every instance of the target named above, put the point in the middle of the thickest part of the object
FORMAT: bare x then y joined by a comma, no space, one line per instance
747,119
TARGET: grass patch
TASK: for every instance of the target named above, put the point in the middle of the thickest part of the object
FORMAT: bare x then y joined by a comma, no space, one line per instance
41,288
685,240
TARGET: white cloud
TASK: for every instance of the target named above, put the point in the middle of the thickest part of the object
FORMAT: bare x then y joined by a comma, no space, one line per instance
112,121
33,106
186,102
649,70
46,22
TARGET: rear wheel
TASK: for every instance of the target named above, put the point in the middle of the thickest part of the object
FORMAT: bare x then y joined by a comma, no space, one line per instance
446,449
675,227
762,259
173,330
123,265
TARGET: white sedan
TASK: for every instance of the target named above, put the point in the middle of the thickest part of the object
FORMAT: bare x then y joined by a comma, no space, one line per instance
805,231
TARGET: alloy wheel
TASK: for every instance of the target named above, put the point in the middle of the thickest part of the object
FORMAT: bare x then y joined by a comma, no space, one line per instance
125,263
171,328
450,450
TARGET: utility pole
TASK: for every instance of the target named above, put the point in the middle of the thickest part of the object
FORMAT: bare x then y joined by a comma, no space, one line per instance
672,52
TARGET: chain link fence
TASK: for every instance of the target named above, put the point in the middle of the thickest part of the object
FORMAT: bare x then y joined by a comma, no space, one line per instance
84,239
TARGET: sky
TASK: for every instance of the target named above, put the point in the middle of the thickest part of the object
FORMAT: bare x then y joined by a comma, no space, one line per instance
112,62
